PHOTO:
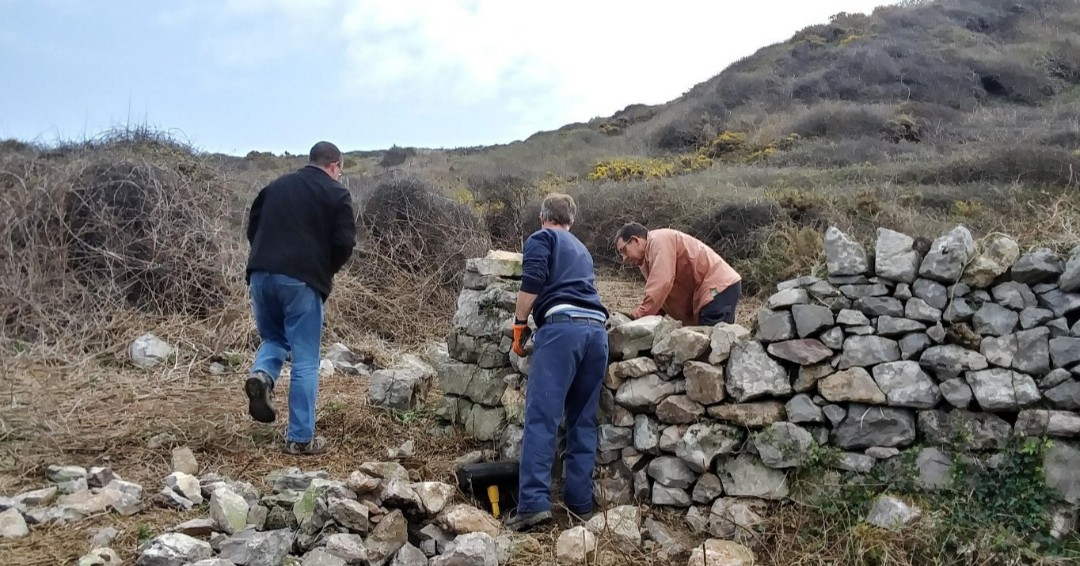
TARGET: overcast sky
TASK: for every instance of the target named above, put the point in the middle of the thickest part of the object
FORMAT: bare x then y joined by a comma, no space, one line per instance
278,75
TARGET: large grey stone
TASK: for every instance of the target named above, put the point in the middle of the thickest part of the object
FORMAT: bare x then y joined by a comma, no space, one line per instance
485,423
751,374
1032,351
895,257
801,409
612,437
1065,396
866,351
576,545
1015,295
1064,351
889,512
228,510
948,256
1060,302
866,426
644,393
804,281
679,409
918,309
804,352
631,339
1034,316
808,376
999,389
1040,266
707,489
851,385
12,524
469,380
905,384
850,317
833,338
388,536
994,320
1000,254
481,314
835,414
619,372
704,382
1041,422
714,552
253,548
783,445
1069,281
749,415
913,345
646,434
703,442
934,468
402,388
950,360
671,472
843,255
621,525
736,519
880,306
679,347
775,326
960,309
931,292
174,549
669,496
786,298
858,291
723,338
1060,463
746,476
957,392
1054,378
999,351
891,327
810,319
968,429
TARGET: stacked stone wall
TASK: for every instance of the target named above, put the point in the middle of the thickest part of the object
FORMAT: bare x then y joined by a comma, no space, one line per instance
940,348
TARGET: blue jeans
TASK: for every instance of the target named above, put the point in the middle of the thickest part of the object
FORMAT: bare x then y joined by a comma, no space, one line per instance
567,370
289,316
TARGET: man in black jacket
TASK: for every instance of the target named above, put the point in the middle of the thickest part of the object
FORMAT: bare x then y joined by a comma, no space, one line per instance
302,231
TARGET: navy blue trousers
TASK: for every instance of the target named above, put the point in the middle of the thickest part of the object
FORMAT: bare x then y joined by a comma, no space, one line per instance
566,373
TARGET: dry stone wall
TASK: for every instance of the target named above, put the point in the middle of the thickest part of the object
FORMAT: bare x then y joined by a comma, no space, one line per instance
951,345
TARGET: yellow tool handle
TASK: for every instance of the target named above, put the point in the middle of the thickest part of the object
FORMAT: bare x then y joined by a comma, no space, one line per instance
493,496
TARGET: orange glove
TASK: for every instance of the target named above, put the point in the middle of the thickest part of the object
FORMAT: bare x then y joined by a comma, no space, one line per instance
521,335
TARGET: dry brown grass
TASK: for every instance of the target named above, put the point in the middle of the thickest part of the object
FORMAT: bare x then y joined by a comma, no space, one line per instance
94,414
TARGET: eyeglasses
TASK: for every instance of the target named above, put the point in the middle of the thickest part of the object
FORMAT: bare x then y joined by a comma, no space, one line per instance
622,249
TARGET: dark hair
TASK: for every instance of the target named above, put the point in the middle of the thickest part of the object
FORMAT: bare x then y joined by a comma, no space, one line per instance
324,153
631,230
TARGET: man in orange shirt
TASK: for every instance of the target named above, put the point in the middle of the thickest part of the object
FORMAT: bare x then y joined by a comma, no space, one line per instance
685,279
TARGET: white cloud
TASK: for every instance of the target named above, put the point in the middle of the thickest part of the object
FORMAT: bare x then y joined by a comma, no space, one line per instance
590,57
557,61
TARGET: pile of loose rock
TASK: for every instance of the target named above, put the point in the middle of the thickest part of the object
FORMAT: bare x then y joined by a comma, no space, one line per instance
947,344
377,516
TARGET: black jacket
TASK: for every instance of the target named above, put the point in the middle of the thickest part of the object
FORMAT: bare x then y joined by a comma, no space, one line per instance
302,225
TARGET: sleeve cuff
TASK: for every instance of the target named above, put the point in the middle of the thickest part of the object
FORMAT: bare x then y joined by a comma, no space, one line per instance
531,286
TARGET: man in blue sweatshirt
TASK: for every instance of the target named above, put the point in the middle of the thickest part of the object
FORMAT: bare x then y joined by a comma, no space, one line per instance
569,360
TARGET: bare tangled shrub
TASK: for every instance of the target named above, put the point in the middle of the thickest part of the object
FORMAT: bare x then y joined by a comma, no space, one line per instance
403,280
91,231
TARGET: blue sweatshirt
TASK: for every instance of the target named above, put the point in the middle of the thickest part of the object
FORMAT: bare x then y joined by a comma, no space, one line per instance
558,269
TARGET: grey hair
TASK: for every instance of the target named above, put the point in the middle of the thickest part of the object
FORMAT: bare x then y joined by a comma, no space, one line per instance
558,208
